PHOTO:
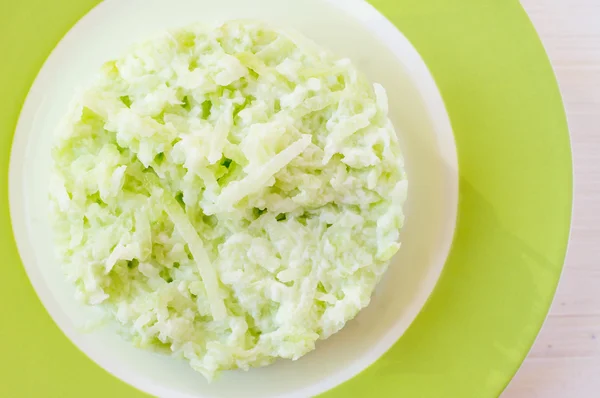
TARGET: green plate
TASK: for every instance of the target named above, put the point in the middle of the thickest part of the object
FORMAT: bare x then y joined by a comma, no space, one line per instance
512,231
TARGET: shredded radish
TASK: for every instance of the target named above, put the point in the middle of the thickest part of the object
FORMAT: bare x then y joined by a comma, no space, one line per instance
228,194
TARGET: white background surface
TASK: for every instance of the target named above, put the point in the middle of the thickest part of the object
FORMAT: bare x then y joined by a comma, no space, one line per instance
565,360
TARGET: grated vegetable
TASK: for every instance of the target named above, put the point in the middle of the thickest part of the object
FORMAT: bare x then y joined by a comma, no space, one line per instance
228,194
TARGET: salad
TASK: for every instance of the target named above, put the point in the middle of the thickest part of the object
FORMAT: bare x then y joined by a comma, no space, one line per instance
228,194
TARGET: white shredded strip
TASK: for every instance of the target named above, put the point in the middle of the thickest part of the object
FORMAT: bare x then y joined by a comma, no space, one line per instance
190,236
254,182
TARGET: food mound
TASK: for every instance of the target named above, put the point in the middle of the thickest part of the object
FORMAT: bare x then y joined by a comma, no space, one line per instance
227,194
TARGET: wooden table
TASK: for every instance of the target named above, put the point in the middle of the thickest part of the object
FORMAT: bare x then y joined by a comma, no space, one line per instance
565,360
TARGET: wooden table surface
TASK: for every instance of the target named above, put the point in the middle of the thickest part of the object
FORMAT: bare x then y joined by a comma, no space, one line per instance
565,360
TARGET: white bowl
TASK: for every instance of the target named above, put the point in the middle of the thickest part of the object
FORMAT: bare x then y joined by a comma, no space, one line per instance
350,28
